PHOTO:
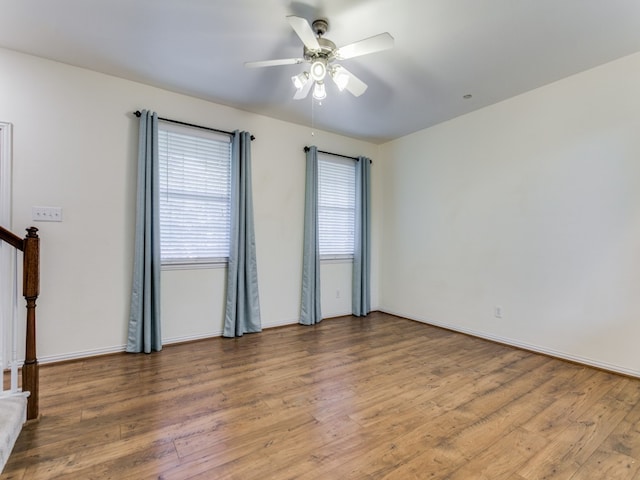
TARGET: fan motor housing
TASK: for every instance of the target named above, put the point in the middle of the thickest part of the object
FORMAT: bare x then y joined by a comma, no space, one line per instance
327,49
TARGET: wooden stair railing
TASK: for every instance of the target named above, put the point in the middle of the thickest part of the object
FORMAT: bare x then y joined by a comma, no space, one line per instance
30,247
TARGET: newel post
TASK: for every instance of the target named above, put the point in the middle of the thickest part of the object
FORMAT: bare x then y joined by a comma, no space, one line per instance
31,290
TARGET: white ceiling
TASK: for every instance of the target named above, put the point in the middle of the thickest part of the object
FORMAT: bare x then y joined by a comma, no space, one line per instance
444,49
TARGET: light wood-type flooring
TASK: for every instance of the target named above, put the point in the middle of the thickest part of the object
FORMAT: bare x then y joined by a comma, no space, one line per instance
351,398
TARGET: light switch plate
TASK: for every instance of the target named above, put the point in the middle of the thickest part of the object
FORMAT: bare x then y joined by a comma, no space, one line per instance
46,214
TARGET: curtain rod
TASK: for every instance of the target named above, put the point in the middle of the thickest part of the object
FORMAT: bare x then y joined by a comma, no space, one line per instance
306,149
137,113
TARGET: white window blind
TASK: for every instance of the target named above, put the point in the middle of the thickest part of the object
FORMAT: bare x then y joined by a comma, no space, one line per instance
195,195
336,206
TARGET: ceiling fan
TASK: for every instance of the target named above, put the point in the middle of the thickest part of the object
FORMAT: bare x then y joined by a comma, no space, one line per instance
322,54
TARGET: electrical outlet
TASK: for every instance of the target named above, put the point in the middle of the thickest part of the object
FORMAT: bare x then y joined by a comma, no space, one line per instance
337,293
46,214
497,311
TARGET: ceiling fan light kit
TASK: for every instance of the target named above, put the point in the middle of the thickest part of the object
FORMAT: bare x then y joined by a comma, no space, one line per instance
319,91
321,53
319,69
340,77
300,80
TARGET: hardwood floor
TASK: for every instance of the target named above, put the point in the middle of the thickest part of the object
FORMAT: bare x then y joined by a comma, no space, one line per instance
373,398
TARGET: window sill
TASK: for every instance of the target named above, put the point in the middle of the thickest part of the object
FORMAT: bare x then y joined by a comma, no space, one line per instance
194,265
336,259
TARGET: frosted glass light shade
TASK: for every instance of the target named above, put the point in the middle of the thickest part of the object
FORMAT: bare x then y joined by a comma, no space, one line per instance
318,70
319,92
300,80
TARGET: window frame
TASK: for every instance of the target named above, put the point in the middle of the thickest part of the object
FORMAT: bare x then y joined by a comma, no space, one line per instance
180,263
337,257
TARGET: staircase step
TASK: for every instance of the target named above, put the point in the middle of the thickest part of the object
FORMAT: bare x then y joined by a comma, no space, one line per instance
13,414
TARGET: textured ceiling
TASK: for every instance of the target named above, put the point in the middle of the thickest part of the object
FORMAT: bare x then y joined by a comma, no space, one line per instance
444,49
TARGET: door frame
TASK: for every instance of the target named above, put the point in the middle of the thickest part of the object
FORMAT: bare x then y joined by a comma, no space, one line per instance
7,255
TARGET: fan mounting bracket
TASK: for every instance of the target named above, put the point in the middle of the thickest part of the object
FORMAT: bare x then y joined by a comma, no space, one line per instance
320,26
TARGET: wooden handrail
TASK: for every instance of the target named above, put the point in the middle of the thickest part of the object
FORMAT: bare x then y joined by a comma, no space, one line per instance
30,246
11,238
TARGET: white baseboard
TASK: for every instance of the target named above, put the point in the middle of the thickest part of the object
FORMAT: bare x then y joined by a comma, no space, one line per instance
121,348
78,355
336,314
191,338
494,338
526,346
280,323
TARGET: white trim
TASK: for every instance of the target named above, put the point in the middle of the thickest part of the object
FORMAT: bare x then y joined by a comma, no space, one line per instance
336,314
281,323
205,233
6,149
194,265
336,259
7,253
526,346
336,188
191,338
79,355
122,348
494,338
18,393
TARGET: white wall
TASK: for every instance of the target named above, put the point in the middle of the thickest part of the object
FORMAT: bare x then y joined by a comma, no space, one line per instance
533,205
74,146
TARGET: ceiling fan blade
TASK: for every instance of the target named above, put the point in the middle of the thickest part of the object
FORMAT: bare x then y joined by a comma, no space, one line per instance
304,31
377,43
354,85
273,63
304,91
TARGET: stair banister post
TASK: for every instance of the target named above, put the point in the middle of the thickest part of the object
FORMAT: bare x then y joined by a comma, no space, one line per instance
31,290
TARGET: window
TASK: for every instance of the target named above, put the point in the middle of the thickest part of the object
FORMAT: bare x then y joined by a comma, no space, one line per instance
336,206
195,195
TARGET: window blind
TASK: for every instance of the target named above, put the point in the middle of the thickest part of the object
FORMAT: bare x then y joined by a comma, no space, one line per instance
336,206
195,194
